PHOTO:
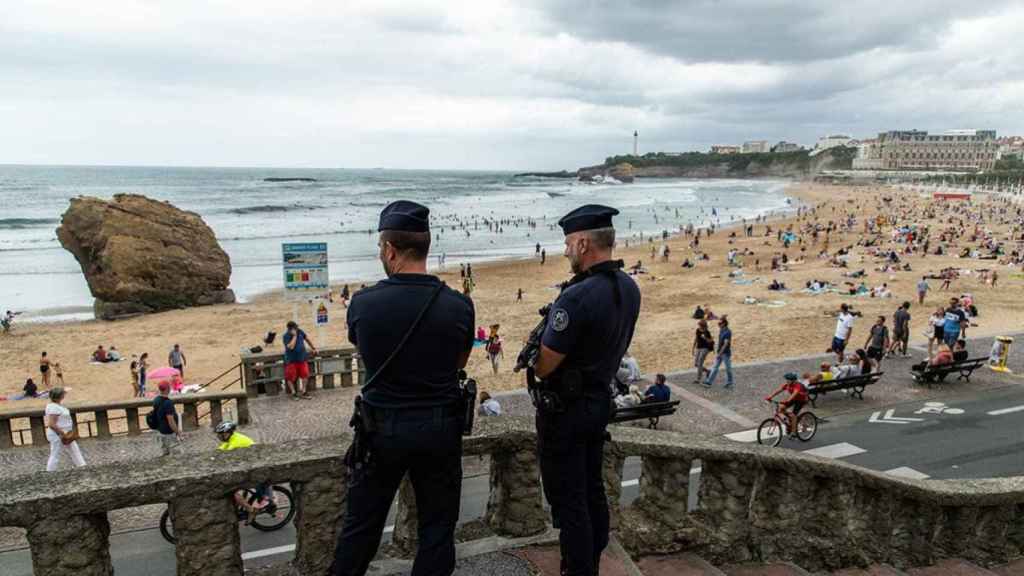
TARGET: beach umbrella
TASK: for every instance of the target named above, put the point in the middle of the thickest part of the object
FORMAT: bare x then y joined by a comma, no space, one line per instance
166,374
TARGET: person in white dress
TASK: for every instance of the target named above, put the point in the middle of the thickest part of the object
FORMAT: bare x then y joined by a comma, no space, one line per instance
58,431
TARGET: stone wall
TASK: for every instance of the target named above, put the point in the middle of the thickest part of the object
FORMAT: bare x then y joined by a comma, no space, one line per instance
753,503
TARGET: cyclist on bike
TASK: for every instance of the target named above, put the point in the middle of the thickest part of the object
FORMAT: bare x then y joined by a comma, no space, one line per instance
232,439
792,405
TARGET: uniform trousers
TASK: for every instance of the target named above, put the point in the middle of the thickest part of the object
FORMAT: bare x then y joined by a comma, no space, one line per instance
571,448
426,443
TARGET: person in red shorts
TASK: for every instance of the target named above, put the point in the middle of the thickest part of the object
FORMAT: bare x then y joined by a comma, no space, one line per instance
798,397
296,364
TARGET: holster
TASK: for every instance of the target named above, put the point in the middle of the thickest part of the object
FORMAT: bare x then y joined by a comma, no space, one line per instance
555,394
363,426
467,406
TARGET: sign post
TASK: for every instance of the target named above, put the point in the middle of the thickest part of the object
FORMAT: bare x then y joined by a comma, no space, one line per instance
306,277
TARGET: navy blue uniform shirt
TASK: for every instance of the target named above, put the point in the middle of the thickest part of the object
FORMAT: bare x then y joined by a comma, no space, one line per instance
590,329
425,372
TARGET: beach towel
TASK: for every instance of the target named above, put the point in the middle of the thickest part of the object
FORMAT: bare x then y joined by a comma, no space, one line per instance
744,281
773,304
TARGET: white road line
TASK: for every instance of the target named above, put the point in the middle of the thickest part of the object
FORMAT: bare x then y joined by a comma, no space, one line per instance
633,482
268,552
840,450
1006,411
744,436
905,472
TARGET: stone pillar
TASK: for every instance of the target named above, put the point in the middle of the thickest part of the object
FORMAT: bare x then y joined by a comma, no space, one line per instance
664,490
361,372
6,434
38,430
726,489
131,415
216,413
318,519
243,411
102,425
613,463
514,507
913,524
406,537
75,545
206,528
190,416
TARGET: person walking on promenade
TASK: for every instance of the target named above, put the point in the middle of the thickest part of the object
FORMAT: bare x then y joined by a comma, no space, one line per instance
900,330
703,344
296,361
166,420
723,355
844,329
60,432
176,359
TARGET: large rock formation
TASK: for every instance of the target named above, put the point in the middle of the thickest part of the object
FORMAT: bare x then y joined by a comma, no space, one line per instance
140,255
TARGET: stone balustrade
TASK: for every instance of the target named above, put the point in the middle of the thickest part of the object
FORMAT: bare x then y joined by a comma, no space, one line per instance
103,421
755,503
263,372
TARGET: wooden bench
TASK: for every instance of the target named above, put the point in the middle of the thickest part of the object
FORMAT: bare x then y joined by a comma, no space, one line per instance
855,384
652,411
933,374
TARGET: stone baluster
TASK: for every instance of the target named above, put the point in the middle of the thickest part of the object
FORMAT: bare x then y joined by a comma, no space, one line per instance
658,518
103,425
320,510
726,487
360,372
348,365
406,536
614,460
913,524
1015,530
243,410
206,528
190,416
216,413
131,415
38,430
75,545
6,433
515,507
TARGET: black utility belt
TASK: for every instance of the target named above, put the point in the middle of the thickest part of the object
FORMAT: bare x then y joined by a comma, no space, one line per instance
451,410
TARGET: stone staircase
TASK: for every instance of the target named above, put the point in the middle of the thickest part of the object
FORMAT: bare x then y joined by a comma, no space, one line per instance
544,561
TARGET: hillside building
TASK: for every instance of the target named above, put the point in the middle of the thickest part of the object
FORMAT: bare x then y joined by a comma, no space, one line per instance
784,146
755,147
725,149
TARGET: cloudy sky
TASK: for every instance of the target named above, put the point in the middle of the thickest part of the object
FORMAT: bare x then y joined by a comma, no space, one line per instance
482,84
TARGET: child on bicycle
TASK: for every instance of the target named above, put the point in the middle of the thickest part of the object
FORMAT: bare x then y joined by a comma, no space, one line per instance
232,439
792,405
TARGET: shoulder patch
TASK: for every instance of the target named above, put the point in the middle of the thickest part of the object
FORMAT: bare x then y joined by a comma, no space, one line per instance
559,319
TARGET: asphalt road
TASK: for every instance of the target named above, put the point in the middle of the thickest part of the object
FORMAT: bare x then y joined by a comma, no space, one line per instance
979,436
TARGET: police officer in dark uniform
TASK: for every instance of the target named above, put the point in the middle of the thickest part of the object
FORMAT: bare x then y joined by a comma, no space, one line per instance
589,327
415,335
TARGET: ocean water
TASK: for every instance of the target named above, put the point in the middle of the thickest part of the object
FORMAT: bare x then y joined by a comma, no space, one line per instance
251,218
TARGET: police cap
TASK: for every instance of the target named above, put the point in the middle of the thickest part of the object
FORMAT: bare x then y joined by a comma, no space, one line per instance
587,217
404,216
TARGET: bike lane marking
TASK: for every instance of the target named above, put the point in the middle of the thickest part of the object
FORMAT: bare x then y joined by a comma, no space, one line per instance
907,472
1010,410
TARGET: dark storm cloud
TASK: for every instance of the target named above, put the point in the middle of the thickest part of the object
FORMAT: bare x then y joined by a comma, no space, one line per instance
765,31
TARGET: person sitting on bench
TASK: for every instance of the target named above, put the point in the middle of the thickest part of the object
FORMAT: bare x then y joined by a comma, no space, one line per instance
942,357
960,351
629,399
659,391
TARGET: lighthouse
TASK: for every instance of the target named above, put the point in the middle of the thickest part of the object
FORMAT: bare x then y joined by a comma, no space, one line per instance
636,143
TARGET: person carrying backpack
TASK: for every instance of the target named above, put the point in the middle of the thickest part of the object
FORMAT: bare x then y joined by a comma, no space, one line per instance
493,347
163,419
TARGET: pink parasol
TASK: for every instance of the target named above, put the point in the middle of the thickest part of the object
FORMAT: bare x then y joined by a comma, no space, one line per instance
169,375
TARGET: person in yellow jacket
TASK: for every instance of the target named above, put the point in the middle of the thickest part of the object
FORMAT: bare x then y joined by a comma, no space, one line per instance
232,439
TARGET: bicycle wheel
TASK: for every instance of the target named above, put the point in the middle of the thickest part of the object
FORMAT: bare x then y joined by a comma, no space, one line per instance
806,426
277,514
769,432
166,528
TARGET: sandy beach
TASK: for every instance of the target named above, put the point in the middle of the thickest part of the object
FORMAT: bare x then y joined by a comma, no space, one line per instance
794,324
